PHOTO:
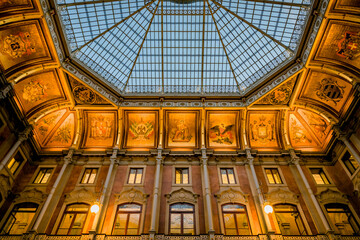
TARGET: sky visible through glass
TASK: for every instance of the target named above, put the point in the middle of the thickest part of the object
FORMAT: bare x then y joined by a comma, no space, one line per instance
183,46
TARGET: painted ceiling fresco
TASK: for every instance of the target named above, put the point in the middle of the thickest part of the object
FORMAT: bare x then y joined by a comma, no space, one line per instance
68,108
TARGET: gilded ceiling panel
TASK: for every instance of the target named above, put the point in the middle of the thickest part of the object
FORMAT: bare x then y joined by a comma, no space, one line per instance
347,6
44,126
341,44
16,5
263,129
300,136
100,129
328,90
222,128
21,44
182,129
38,90
280,96
64,134
83,95
141,129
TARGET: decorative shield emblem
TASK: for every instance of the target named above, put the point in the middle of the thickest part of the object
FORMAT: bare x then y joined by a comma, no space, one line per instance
84,95
18,45
349,46
330,90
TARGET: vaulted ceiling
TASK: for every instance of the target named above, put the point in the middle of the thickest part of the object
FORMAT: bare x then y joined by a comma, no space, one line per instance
196,72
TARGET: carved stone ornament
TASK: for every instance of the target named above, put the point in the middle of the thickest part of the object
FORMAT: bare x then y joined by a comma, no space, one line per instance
232,196
5,185
131,195
182,195
81,195
282,196
356,182
31,195
330,90
332,196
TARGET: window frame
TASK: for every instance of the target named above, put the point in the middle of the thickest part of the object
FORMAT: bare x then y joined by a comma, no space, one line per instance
143,167
91,172
9,213
264,167
83,172
127,218
174,175
345,167
351,211
300,214
236,183
19,168
182,222
63,215
234,213
325,173
53,167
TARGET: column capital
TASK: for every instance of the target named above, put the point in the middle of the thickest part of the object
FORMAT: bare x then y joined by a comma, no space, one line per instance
5,91
69,157
24,135
249,157
294,159
113,157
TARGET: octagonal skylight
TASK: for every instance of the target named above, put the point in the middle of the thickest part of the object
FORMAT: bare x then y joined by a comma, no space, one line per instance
189,47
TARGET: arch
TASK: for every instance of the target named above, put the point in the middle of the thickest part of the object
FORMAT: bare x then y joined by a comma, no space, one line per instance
280,196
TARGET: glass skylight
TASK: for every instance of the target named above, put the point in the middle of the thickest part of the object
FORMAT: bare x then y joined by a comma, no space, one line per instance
183,46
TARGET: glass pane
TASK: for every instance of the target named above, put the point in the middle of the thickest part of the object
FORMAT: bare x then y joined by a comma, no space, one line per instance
129,207
92,176
134,219
139,176
229,223
178,176
39,176
175,223
188,219
186,176
77,208
120,224
46,177
78,224
65,224
224,176
233,208
270,176
86,176
231,176
277,176
242,224
132,176
182,207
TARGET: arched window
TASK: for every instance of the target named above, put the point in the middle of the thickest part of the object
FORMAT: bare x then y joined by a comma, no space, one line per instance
289,219
73,220
20,218
127,220
182,219
342,218
236,221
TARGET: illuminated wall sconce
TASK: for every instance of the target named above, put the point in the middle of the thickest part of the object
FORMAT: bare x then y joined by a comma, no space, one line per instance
95,208
268,209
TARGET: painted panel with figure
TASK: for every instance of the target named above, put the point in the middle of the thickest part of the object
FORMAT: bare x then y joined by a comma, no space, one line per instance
182,128
222,129
22,43
7,6
64,134
263,128
39,89
141,129
341,43
101,129
300,136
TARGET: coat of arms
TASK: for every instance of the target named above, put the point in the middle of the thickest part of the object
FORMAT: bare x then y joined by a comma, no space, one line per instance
18,45
330,90
263,131
34,91
349,46
141,130
101,127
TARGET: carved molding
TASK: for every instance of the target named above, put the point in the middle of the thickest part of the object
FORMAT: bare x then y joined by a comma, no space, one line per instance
81,195
332,196
182,195
31,195
280,195
356,182
131,195
231,196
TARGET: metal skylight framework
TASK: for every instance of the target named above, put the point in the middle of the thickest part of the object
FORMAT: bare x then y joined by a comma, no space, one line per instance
183,46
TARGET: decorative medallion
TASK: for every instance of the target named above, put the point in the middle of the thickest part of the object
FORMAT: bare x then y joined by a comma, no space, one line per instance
262,131
34,91
330,90
349,46
279,96
101,127
63,134
84,95
18,45
262,127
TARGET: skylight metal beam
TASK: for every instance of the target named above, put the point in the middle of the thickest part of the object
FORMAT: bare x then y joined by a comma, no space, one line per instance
109,29
224,48
203,50
281,3
162,48
253,26
86,3
141,46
